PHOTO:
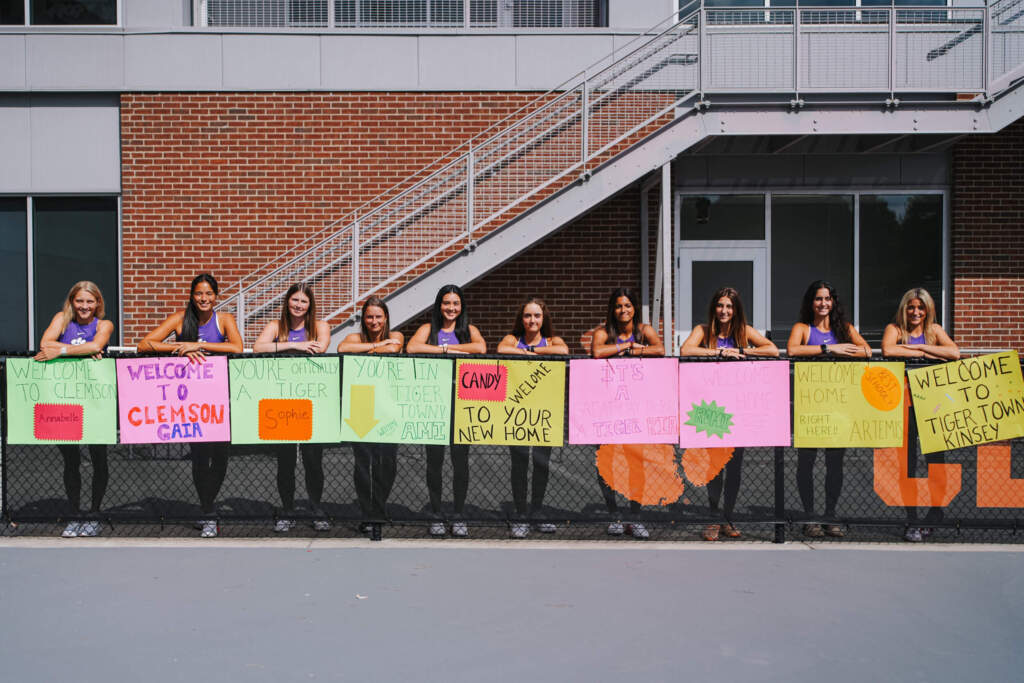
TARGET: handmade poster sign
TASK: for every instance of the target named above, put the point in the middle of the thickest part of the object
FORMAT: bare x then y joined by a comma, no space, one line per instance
66,400
173,400
734,404
396,400
847,405
967,402
506,402
624,400
286,399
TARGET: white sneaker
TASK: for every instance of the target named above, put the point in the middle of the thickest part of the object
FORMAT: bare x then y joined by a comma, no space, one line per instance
71,530
520,530
460,529
209,529
638,530
321,525
89,529
437,529
547,528
283,525
913,535
616,529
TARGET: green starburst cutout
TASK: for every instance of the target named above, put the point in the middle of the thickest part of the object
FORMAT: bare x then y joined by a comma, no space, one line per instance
710,418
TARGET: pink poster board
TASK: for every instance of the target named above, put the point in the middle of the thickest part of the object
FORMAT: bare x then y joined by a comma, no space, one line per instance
166,400
623,400
739,403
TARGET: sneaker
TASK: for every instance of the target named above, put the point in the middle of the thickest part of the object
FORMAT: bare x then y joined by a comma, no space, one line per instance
547,528
834,530
321,525
813,531
616,529
638,530
71,530
729,531
209,529
926,531
460,529
89,529
520,530
282,526
437,529
913,535
711,532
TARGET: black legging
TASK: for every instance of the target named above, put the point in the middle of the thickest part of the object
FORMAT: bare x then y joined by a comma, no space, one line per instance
312,467
209,465
729,479
934,514
73,475
520,457
611,503
460,476
833,478
374,468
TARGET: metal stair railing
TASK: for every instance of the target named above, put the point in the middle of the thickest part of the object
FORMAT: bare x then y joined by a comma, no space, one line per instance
560,135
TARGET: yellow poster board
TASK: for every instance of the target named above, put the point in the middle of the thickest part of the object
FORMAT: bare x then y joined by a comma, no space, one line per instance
509,402
968,402
847,405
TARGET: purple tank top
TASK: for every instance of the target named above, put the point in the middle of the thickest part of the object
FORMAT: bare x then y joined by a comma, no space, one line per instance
522,345
729,343
817,337
298,335
446,338
77,334
916,340
210,332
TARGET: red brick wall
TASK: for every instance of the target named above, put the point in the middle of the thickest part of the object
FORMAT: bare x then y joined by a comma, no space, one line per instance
988,240
226,182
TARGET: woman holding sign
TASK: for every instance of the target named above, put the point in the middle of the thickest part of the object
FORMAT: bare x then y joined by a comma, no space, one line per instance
199,330
726,335
80,330
531,336
375,464
623,335
449,331
913,333
297,331
823,331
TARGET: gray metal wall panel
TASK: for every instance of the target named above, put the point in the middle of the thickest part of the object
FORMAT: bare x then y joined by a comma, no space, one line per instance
641,15
75,62
480,62
155,13
755,171
173,62
271,62
12,62
16,143
867,169
357,62
925,169
536,54
76,144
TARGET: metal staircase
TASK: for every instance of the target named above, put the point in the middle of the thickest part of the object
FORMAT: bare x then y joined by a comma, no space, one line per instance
704,71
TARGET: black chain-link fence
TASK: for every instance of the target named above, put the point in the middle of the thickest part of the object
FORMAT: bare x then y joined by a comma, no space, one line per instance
498,492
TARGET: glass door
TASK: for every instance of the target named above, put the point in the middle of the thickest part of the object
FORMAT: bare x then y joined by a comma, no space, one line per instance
703,271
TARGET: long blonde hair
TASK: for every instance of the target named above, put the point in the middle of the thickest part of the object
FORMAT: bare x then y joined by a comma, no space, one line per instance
900,319
68,314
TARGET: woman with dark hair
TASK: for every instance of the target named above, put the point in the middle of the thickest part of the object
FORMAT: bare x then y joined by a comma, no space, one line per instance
297,331
199,330
80,330
449,331
726,334
531,336
622,335
913,333
374,464
823,331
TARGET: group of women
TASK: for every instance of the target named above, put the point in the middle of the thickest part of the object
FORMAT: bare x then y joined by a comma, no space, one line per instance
80,329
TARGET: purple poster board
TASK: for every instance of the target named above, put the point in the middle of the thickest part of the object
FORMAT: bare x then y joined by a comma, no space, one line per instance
740,403
623,400
166,400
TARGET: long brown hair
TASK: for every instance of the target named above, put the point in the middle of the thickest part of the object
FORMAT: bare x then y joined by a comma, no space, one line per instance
519,329
68,313
365,333
900,319
737,326
309,321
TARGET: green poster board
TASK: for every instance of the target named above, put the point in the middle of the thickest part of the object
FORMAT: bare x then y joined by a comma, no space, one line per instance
285,400
396,400
66,400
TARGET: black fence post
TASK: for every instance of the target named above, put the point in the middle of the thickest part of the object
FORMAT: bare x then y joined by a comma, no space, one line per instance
780,494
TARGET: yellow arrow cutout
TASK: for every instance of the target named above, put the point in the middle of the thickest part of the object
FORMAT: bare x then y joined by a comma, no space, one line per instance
361,418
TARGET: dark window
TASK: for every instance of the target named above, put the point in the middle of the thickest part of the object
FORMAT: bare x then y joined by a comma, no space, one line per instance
12,12
14,270
723,217
74,238
710,276
68,12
